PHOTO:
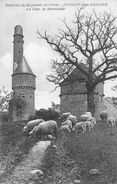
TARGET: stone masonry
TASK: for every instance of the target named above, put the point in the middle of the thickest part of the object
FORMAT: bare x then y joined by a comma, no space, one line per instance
73,94
23,79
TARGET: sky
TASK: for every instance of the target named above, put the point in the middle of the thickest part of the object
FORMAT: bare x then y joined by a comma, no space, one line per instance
35,15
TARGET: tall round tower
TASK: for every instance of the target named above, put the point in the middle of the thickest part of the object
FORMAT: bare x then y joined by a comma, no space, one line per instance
18,46
23,80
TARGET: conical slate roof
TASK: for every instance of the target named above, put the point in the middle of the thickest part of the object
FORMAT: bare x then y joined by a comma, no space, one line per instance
76,74
23,67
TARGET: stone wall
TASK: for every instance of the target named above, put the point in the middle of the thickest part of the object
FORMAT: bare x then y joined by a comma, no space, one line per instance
75,87
28,96
74,103
23,80
23,86
73,98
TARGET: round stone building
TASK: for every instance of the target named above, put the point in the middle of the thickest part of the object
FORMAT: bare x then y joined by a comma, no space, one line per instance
23,79
73,93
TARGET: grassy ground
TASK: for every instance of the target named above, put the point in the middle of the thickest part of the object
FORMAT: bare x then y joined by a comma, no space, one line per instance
14,147
75,156
30,162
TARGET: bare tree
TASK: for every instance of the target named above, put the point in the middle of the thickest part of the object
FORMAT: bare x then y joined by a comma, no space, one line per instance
5,97
91,40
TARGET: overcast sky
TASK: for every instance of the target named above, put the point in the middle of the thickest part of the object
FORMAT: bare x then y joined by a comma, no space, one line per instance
37,53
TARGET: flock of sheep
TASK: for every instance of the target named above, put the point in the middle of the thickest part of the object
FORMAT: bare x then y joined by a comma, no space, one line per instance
49,129
87,122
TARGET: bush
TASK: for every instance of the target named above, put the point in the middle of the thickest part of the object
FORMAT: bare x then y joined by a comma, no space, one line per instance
46,114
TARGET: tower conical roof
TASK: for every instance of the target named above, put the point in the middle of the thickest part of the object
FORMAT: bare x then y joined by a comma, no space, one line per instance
23,67
76,74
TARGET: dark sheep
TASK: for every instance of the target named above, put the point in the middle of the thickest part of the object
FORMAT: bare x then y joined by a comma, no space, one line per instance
103,115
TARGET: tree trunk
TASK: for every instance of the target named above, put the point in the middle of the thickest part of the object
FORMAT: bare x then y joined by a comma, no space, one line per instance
90,102
90,88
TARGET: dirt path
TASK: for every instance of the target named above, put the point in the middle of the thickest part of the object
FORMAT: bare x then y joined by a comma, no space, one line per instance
31,162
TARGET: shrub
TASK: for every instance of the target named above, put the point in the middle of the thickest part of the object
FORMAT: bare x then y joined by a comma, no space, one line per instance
46,114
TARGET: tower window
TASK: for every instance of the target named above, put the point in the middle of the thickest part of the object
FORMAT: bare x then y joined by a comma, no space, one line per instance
23,95
30,96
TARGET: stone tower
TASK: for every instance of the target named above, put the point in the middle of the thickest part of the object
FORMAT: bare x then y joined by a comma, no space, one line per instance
23,80
73,93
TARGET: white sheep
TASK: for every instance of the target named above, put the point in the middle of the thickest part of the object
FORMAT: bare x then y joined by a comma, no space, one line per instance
73,119
30,125
78,125
111,121
93,120
65,128
89,124
64,116
88,113
67,122
84,117
32,133
45,128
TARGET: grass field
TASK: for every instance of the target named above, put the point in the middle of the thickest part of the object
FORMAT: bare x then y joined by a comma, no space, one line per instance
75,156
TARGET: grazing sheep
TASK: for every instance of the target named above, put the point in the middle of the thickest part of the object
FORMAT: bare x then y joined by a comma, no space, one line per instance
103,115
88,113
73,119
90,125
93,120
65,128
64,116
31,133
111,121
30,125
84,117
67,122
80,125
45,128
